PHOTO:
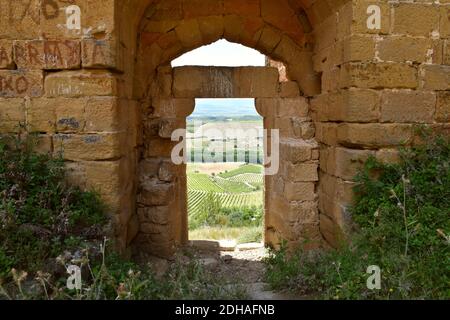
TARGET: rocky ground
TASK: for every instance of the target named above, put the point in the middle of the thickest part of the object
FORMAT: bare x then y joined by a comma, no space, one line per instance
237,265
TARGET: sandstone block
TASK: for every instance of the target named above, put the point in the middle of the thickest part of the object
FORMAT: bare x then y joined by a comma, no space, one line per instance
41,115
6,54
304,172
443,107
300,191
349,161
289,89
90,146
424,18
254,82
165,81
402,49
154,193
179,108
358,16
374,135
292,107
12,115
19,20
157,147
444,26
408,106
281,15
148,168
104,176
303,128
70,116
16,83
47,55
357,48
103,114
388,156
53,22
436,77
250,7
267,108
212,28
102,54
296,151
44,144
80,83
224,82
188,31
268,40
326,133
156,215
304,212
352,105
167,126
378,75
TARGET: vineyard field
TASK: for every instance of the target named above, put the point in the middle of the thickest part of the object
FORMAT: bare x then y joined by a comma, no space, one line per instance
254,179
249,168
227,200
202,182
240,187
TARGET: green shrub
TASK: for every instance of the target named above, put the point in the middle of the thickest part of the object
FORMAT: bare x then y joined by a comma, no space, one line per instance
213,214
40,216
46,225
402,216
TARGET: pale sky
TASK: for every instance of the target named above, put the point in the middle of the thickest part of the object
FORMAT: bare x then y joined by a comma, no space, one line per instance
221,53
226,54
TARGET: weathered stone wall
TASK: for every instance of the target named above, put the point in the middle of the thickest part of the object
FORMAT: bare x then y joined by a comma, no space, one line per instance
291,207
377,83
86,76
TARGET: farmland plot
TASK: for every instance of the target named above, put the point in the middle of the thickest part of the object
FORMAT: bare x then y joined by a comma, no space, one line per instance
233,189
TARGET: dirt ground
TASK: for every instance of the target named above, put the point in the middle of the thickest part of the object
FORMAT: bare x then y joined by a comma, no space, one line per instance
243,267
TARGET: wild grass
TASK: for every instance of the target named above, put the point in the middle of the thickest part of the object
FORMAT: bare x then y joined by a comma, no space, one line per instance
47,225
241,234
402,216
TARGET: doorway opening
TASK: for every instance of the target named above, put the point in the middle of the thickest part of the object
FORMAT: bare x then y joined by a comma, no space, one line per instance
225,180
225,173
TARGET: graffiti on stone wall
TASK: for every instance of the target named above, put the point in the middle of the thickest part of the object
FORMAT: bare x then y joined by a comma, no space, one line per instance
20,83
19,10
47,54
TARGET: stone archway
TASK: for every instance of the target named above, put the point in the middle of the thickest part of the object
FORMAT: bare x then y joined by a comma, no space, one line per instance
291,207
166,98
84,88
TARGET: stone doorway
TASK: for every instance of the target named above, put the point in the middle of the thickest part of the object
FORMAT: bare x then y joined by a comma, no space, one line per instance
291,206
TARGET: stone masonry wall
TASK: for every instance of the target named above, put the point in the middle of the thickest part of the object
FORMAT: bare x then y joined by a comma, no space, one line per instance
85,76
382,74
291,207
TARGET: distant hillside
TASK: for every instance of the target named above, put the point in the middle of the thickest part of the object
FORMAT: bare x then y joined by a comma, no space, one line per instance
225,109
